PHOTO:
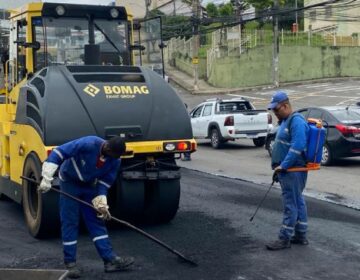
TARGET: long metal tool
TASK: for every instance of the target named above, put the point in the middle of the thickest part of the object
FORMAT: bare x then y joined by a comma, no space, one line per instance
186,259
261,202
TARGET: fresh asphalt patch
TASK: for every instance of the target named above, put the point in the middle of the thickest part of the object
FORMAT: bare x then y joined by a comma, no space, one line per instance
212,227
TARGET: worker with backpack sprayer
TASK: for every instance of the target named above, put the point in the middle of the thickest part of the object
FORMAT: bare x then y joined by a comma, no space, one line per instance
297,149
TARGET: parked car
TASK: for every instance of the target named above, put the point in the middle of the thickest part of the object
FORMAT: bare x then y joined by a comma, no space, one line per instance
342,125
224,120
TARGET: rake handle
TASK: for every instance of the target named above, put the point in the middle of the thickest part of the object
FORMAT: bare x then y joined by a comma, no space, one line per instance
120,221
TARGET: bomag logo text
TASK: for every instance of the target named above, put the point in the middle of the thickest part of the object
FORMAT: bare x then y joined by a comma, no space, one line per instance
124,91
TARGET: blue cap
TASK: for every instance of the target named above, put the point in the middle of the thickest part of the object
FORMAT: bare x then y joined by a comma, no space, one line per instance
277,98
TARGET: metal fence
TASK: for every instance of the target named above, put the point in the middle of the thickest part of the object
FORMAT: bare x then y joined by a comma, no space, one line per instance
234,41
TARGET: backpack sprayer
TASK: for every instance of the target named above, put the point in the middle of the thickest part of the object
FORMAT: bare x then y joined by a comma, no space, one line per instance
313,154
315,145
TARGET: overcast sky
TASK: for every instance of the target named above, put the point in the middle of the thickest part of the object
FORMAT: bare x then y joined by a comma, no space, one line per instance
16,3
217,2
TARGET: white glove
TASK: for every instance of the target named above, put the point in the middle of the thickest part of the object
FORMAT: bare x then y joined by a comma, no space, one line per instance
44,186
48,171
100,204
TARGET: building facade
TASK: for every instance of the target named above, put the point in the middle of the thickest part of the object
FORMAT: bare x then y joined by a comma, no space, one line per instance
341,20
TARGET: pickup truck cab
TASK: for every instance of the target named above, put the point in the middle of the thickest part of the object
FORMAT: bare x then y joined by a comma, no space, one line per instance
231,119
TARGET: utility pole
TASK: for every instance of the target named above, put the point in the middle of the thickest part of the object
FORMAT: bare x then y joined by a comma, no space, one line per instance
238,9
147,4
196,42
174,2
296,15
276,44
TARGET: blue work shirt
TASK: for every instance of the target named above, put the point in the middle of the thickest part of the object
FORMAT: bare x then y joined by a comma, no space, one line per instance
79,162
290,142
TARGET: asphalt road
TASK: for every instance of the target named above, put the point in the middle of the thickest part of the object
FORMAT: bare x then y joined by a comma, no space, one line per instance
212,226
241,159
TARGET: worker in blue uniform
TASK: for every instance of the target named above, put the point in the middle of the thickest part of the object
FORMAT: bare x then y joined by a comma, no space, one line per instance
88,168
289,151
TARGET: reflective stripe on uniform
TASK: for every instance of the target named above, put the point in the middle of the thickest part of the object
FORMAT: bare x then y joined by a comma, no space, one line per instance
69,243
295,151
302,223
100,237
104,183
77,169
58,153
284,142
286,227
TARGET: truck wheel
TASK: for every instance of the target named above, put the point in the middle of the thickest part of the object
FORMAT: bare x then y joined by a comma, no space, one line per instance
215,137
162,200
327,157
269,145
259,142
130,197
41,211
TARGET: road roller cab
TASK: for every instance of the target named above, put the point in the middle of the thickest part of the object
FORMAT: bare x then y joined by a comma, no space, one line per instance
71,74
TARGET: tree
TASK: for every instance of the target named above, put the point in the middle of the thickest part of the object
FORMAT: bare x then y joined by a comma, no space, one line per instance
212,10
173,26
226,10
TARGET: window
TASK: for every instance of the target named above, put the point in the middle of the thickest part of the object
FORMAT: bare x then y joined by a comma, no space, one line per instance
304,113
312,15
347,116
21,51
65,39
207,110
197,112
328,11
40,56
234,106
316,114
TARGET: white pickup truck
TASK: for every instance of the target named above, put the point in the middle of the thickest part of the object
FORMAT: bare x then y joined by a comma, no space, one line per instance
224,120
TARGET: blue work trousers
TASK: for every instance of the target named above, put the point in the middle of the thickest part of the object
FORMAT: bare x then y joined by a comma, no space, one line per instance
294,206
70,216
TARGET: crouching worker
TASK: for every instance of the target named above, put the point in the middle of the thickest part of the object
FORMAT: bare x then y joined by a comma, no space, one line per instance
88,167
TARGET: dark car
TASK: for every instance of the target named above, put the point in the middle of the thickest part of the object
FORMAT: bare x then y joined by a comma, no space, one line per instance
342,125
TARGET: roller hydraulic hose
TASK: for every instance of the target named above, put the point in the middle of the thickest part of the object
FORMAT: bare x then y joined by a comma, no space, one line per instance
149,236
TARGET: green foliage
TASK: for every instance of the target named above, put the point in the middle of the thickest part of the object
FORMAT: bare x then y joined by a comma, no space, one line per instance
212,10
173,26
226,10
251,25
203,51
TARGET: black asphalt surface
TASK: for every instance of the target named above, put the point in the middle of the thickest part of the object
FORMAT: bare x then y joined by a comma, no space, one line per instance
212,227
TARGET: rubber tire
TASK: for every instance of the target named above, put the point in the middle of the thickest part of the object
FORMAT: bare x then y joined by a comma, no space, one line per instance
269,145
259,142
327,157
215,137
162,201
130,199
41,211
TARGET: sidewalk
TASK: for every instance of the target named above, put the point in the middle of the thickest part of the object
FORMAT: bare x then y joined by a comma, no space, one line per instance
187,82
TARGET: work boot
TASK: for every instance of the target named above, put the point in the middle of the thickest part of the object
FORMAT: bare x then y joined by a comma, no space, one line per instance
118,264
74,271
299,240
279,244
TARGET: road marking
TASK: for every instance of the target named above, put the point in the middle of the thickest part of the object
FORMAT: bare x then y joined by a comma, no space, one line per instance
346,89
347,101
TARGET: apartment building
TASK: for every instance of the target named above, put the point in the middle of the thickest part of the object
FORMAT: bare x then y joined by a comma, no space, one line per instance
340,19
